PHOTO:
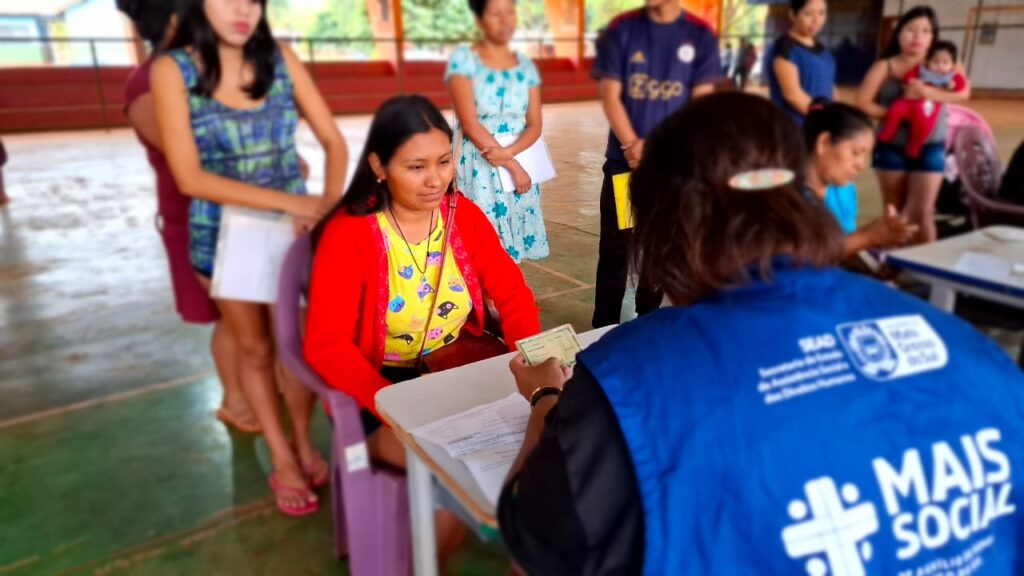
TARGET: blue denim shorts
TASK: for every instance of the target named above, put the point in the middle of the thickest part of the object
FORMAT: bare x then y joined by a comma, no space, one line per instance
894,158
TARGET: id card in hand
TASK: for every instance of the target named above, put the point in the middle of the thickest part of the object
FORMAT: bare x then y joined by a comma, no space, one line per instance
560,343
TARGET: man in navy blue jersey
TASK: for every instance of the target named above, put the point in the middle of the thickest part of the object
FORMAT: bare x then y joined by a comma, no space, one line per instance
650,62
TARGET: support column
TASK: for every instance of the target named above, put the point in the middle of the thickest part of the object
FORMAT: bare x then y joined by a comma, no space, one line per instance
707,10
382,22
581,31
396,9
564,21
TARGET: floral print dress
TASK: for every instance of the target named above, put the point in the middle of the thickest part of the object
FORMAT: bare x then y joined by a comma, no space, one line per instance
501,98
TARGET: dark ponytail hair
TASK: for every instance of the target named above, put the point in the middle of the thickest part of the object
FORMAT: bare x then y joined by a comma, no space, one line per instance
396,121
695,233
840,121
195,31
893,49
151,17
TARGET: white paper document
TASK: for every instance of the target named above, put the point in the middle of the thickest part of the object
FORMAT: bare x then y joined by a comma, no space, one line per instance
989,267
489,469
535,160
1005,233
251,246
485,438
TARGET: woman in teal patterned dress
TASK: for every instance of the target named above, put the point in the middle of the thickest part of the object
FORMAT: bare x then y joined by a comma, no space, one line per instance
228,100
496,94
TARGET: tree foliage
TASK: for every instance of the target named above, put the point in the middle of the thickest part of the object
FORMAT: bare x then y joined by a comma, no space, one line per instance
599,13
342,19
437,19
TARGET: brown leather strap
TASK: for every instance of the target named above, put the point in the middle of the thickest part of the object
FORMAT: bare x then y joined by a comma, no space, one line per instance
449,224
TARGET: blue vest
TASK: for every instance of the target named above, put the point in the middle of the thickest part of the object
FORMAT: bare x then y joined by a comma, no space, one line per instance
820,424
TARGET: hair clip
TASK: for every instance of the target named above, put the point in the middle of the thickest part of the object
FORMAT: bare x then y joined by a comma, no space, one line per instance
762,179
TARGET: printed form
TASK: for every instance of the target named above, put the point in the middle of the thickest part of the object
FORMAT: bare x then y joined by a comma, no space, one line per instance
485,438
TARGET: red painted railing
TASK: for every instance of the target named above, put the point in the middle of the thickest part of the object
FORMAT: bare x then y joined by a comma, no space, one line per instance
49,98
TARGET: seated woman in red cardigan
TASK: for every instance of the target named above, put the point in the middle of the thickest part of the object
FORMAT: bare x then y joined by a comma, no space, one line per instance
382,291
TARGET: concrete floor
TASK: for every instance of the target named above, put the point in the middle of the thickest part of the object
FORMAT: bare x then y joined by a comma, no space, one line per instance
112,460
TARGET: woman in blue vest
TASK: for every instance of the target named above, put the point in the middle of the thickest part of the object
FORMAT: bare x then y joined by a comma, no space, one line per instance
802,68
783,416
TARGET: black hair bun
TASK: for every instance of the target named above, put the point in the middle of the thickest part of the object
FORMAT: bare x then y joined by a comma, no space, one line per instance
131,8
818,104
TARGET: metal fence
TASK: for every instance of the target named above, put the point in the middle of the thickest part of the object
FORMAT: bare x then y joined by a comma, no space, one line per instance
103,52
90,69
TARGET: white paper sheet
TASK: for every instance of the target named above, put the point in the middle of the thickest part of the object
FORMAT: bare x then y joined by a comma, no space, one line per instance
988,267
1006,234
251,246
490,468
486,439
535,160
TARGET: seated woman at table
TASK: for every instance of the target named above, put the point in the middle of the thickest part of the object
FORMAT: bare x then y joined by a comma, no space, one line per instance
839,141
378,288
719,435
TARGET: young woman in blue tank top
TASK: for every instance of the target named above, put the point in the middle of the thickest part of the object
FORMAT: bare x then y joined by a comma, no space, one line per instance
802,69
228,100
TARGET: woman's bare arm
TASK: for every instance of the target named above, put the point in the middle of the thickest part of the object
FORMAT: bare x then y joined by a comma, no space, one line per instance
869,88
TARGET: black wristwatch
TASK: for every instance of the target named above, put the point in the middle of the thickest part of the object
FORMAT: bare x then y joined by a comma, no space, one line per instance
542,392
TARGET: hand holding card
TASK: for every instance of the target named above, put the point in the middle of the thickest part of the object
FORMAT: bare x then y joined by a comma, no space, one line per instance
560,342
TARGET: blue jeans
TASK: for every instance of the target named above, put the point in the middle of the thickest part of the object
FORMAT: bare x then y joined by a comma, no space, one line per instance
893,158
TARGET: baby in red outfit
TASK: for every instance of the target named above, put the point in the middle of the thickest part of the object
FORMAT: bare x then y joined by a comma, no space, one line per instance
939,70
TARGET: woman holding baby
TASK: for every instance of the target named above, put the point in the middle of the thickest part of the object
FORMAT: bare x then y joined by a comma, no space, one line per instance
910,176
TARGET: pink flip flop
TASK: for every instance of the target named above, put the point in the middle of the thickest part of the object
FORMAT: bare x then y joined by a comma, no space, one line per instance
306,510
310,469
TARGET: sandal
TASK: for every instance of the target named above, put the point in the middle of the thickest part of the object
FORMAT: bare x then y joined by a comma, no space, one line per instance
233,421
279,489
310,470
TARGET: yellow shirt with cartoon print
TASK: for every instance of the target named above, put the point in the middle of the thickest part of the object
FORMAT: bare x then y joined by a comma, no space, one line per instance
413,271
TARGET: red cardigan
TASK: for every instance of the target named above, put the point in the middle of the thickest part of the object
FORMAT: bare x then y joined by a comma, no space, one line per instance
346,331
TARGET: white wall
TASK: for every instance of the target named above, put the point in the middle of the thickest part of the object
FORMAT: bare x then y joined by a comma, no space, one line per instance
998,66
21,53
98,19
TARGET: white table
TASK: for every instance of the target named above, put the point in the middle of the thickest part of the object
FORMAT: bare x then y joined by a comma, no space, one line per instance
409,405
935,264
